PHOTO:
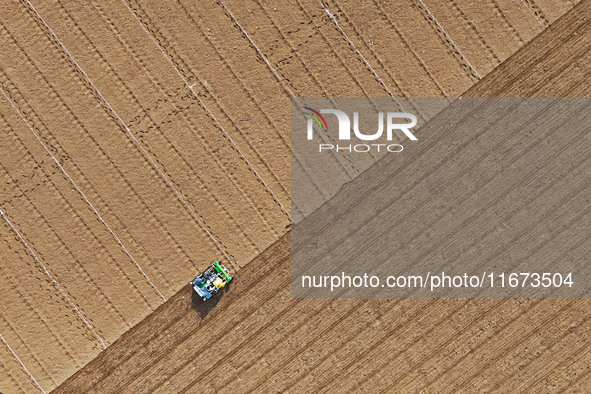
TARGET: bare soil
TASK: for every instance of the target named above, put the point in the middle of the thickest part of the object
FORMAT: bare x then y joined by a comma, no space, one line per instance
257,338
165,145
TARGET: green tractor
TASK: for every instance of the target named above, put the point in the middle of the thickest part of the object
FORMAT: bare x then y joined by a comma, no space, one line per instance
212,280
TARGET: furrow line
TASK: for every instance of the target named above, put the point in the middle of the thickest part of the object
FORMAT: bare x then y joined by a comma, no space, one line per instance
22,365
213,117
456,50
74,213
53,279
172,146
141,147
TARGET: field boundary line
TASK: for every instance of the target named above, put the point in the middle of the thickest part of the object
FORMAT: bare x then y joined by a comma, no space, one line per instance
348,166
179,195
506,20
450,39
533,14
344,162
77,122
22,364
192,89
82,194
358,52
24,296
173,147
479,38
61,289
336,23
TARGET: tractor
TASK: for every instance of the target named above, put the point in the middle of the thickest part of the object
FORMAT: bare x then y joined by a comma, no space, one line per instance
211,280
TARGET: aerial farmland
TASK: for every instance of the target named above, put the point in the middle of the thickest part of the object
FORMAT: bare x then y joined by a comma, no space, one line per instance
144,140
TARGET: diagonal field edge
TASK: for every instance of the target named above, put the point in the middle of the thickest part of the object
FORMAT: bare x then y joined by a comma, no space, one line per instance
576,17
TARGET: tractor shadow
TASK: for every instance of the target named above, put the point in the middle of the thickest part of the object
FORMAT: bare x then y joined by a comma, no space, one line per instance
204,307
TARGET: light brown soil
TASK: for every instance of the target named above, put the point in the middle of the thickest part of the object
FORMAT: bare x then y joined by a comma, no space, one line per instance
180,188
258,338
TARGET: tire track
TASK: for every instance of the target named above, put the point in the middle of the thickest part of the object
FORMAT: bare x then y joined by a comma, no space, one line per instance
194,172
288,86
518,238
552,49
56,146
431,171
6,371
326,20
30,306
260,331
164,47
356,54
582,381
298,315
447,40
23,365
537,13
507,23
175,149
139,146
410,212
413,339
230,175
369,66
372,349
493,57
420,62
411,384
28,349
359,55
72,211
323,338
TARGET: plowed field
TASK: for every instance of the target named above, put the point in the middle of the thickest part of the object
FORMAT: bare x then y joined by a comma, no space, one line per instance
257,338
143,139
